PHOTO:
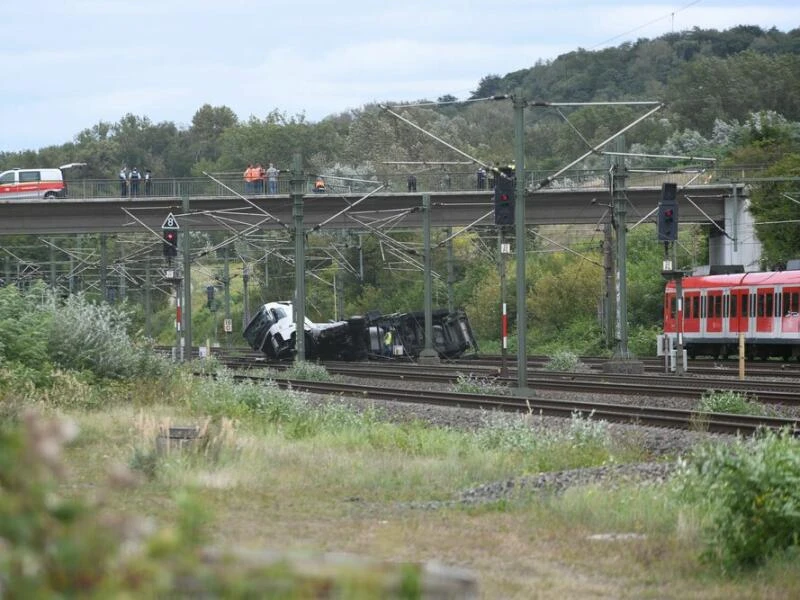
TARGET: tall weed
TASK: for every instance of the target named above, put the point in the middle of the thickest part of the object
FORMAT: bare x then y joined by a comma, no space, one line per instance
748,497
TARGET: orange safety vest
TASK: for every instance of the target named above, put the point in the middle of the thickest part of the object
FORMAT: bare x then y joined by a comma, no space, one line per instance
251,174
320,184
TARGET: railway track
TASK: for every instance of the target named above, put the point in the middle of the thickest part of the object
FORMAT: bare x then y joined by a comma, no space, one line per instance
766,392
639,415
713,368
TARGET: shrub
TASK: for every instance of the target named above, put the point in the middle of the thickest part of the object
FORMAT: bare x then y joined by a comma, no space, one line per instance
728,401
308,371
88,336
585,442
748,496
23,326
565,361
478,384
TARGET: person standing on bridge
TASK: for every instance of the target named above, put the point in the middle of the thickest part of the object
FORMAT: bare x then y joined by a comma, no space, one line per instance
123,182
135,177
148,182
249,179
481,175
260,177
272,179
412,183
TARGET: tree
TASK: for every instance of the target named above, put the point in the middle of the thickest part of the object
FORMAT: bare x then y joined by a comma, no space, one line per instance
775,206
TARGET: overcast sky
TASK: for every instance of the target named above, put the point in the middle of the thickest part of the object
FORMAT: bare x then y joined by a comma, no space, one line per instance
68,64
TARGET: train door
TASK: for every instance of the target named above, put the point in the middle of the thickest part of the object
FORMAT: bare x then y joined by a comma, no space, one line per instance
691,312
790,310
765,300
738,317
670,312
714,311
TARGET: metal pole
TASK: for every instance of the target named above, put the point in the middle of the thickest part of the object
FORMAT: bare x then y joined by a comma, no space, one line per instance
519,218
187,281
608,267
226,282
52,264
428,354
299,260
679,293
501,257
178,319
103,265
450,272
148,323
620,210
245,296
338,287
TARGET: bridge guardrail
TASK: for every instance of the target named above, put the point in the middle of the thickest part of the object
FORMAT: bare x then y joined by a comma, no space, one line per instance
431,181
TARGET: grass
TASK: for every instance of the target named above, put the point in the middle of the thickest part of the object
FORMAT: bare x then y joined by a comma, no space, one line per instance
279,473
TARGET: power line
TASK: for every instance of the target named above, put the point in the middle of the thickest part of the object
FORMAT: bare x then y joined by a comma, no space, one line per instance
669,16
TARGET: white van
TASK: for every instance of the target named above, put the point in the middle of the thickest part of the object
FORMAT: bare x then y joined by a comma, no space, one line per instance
18,184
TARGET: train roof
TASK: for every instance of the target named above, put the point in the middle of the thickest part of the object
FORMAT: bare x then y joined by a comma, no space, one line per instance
740,279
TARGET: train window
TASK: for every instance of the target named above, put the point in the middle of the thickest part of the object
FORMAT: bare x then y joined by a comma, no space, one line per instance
734,306
790,304
716,307
695,307
768,305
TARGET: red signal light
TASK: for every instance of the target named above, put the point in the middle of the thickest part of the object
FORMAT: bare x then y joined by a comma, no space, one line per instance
668,212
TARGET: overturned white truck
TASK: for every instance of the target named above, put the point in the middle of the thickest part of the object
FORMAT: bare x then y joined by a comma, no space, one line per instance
363,337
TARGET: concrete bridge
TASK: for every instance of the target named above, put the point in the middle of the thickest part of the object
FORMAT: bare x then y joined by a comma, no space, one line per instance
95,207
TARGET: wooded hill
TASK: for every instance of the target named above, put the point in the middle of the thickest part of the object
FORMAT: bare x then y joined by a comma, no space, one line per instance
706,77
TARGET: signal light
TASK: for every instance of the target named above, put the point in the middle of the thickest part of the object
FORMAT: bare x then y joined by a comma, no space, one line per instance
504,201
170,243
668,213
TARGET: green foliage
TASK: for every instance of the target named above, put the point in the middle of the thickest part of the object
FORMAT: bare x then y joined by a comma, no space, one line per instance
472,383
567,288
583,442
775,214
85,335
582,336
308,371
57,546
748,496
23,329
728,401
642,339
564,361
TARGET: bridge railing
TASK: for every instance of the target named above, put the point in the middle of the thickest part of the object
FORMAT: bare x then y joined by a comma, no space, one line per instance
435,181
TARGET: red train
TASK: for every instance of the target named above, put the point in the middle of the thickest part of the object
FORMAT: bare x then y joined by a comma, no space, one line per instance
717,308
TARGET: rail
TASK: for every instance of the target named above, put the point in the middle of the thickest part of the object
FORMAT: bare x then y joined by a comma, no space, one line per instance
429,181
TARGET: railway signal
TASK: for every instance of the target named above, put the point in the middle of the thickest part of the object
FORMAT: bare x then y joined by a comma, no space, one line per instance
170,243
504,200
169,230
668,213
